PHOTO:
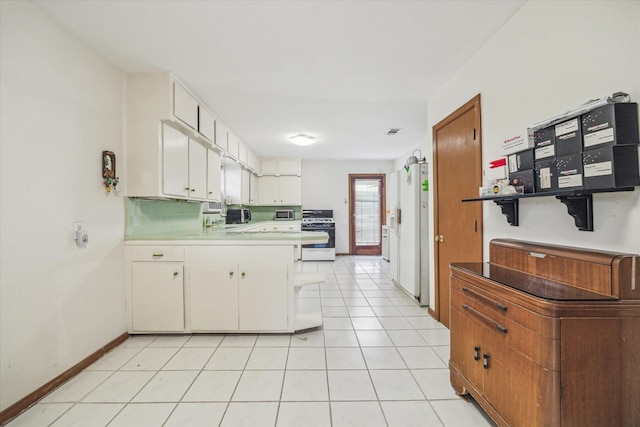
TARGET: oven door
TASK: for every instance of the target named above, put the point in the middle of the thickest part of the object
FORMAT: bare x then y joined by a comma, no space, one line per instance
320,251
330,231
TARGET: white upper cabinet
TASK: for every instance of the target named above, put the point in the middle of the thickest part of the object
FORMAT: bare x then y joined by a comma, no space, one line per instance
197,170
279,190
222,135
214,181
206,123
280,167
159,167
252,161
175,162
233,145
184,165
242,152
185,106
253,189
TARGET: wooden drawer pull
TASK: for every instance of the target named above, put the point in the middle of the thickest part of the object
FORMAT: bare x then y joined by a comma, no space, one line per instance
485,319
499,306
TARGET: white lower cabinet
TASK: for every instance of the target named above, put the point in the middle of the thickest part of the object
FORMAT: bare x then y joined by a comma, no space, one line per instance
263,297
157,297
213,297
245,297
227,288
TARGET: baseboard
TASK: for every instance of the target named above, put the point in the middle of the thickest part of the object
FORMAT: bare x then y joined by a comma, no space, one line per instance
38,394
433,314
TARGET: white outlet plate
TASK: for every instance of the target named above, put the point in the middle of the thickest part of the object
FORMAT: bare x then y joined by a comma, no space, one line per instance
77,226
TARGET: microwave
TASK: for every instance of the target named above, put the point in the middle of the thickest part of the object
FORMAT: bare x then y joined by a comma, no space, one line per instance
238,216
284,215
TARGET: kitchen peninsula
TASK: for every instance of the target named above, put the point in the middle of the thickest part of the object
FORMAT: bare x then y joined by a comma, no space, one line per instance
233,279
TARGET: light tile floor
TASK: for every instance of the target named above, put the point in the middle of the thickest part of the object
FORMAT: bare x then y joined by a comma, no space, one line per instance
379,360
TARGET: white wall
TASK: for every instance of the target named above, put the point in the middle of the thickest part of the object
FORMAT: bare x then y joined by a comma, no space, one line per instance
325,185
549,58
61,105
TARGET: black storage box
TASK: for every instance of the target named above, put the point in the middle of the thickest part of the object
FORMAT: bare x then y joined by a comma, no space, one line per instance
568,137
611,124
546,177
523,178
544,140
614,166
520,161
569,170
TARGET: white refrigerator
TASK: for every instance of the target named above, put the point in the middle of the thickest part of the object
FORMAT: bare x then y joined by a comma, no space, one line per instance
410,228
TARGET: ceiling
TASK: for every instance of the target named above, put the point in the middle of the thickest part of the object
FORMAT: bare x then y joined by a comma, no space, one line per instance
343,71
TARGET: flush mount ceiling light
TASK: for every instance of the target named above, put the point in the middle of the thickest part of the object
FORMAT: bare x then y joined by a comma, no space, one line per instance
303,139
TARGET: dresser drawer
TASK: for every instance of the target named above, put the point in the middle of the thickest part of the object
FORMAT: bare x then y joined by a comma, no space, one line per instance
523,330
157,253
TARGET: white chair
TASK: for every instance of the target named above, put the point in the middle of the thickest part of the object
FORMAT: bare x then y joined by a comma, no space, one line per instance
309,317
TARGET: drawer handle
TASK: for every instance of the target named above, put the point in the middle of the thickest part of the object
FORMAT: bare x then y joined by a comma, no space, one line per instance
243,274
175,274
485,362
476,353
231,274
157,255
485,319
499,306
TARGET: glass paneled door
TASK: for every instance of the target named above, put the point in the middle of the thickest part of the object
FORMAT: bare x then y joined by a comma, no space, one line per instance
367,213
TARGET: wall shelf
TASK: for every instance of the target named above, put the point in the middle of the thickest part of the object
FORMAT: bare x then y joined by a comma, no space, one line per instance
579,204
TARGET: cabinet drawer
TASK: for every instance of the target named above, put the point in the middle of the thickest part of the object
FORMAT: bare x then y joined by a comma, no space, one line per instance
157,253
524,331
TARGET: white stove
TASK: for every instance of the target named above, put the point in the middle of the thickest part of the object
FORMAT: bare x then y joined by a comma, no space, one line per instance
319,221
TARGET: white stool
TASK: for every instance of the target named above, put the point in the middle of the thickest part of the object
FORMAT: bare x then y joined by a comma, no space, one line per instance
311,318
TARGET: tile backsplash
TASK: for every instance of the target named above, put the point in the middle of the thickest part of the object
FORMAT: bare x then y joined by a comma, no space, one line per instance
146,216
161,216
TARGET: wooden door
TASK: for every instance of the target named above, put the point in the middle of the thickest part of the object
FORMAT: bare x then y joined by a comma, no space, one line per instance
367,213
457,162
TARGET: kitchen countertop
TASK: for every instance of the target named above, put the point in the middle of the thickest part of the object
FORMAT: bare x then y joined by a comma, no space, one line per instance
236,234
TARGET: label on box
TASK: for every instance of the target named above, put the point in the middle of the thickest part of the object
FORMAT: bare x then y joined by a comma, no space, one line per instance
543,152
545,177
570,181
518,142
598,169
567,136
514,163
600,137
566,127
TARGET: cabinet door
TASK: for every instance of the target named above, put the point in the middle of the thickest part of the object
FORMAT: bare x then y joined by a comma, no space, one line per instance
289,167
253,189
245,184
206,123
233,145
157,292
185,106
290,190
213,176
242,152
269,166
213,297
221,135
472,349
263,297
175,162
197,170
268,190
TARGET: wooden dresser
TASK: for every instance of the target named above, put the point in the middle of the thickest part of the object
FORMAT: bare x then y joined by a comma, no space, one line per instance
546,335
